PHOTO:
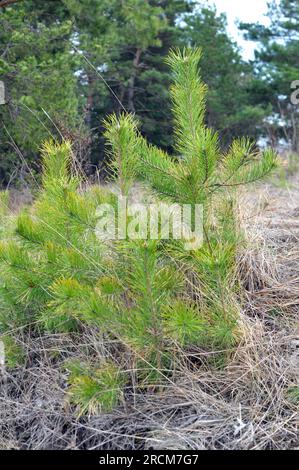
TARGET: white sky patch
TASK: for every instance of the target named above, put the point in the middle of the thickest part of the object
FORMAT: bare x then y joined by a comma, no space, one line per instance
249,11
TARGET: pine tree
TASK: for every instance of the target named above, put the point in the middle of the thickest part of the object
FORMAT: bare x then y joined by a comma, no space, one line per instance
202,175
56,271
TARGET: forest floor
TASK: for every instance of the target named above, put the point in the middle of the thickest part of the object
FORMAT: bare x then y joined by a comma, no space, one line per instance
251,402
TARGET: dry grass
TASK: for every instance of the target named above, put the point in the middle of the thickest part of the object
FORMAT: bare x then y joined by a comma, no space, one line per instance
243,405
240,404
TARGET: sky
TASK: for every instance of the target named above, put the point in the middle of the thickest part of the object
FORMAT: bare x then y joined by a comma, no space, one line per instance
250,11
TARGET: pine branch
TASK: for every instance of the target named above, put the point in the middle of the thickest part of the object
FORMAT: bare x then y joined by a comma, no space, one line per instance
121,134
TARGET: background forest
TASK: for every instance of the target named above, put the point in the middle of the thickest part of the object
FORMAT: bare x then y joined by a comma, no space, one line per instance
66,64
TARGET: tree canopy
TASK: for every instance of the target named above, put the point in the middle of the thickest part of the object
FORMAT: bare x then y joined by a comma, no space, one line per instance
277,67
68,64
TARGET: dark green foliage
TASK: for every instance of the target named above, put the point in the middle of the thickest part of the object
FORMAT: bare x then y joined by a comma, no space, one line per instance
67,64
277,66
38,71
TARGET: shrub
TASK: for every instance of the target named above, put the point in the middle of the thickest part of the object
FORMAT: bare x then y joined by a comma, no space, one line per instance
145,294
